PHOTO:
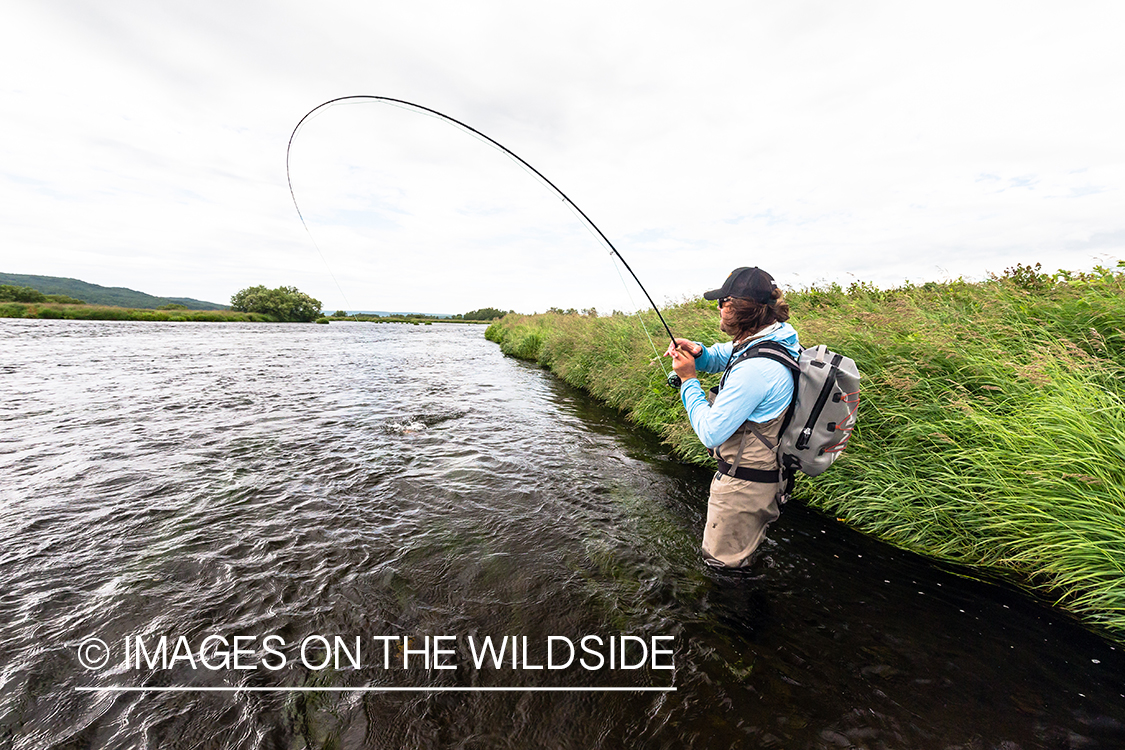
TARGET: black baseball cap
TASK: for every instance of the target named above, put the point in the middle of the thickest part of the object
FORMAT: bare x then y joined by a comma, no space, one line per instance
748,283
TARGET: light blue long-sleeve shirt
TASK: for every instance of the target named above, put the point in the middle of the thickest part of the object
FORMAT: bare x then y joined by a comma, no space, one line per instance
757,389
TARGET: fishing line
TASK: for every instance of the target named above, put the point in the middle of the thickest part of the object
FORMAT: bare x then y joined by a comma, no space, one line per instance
657,358
505,150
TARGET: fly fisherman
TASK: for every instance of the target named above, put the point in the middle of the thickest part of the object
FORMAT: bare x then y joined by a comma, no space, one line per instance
750,405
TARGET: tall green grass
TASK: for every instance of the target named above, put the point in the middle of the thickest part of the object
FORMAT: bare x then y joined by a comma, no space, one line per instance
992,417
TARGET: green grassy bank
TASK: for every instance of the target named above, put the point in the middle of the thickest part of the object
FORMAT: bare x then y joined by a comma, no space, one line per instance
991,426
105,312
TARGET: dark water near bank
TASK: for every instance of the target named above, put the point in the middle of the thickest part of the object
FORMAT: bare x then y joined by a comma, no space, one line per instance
195,480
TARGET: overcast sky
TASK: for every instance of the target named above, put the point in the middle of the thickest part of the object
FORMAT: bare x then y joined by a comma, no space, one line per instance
144,145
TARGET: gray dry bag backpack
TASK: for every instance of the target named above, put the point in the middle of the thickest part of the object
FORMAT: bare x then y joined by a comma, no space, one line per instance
821,418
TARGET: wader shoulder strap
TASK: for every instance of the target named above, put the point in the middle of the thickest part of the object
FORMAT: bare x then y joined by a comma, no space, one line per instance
761,476
761,436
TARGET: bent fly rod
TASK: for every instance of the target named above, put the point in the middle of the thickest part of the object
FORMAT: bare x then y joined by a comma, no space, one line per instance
672,378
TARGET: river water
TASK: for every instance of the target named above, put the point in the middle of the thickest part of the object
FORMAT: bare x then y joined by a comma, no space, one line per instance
284,484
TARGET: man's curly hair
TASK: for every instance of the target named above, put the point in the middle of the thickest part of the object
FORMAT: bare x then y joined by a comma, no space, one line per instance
749,316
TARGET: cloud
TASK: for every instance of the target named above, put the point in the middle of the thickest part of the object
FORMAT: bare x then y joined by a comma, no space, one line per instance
144,145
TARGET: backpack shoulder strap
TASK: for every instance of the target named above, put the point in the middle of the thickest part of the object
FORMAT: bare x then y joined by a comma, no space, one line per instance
778,353
767,349
771,350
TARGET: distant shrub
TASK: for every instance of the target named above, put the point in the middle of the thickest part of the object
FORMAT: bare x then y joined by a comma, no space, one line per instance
9,293
286,303
322,320
173,306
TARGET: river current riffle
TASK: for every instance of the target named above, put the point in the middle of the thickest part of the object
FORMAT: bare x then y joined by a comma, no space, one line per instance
303,486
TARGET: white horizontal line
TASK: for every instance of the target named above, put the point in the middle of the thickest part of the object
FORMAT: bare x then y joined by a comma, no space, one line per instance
188,689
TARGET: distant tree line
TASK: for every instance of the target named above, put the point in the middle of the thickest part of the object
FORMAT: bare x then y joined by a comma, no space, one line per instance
9,293
286,303
484,313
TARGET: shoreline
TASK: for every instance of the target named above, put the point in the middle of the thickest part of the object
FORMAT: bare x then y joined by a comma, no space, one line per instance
54,311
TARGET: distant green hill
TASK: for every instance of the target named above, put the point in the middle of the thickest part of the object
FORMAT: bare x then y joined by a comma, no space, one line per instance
102,295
